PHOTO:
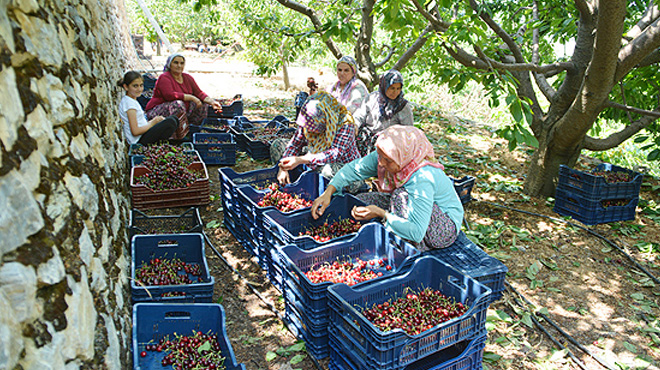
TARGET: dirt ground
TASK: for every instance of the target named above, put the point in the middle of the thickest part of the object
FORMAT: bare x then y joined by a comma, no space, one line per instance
590,290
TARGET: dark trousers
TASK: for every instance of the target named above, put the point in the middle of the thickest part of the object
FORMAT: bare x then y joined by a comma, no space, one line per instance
160,131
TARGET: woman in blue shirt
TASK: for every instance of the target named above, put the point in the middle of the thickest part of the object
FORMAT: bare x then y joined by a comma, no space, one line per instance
416,199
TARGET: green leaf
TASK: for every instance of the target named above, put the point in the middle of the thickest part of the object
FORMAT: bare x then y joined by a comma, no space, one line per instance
270,356
630,347
204,347
527,320
297,359
300,346
637,296
491,357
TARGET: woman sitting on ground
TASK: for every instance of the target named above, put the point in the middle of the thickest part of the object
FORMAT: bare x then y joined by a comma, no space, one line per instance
348,90
176,90
136,127
380,110
327,131
415,199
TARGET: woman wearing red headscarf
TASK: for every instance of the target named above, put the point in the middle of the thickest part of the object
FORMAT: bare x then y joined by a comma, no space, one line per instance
415,198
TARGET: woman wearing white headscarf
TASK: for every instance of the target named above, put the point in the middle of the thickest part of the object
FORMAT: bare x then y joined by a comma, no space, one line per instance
348,90
177,93
380,110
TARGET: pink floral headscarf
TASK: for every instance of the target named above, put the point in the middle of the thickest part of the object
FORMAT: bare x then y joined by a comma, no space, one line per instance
408,147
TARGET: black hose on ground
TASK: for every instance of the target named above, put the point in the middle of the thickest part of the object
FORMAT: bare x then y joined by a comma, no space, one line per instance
547,319
256,292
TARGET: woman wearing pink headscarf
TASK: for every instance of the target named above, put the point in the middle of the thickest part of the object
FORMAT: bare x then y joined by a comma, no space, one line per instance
348,90
415,199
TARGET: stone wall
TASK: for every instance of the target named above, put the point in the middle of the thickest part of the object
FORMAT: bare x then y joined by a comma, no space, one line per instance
64,258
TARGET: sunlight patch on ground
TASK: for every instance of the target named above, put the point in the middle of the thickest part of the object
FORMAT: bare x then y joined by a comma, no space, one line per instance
544,226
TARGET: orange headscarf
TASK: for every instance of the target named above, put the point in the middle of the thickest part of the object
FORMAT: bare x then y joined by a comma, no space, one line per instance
408,147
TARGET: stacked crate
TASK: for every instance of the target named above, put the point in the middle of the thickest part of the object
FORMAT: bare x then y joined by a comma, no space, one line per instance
591,199
357,344
216,148
306,302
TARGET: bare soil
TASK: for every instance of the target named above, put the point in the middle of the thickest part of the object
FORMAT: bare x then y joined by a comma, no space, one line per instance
589,289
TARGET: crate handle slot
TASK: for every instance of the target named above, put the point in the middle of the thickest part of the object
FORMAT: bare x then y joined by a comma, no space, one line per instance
178,315
451,279
167,243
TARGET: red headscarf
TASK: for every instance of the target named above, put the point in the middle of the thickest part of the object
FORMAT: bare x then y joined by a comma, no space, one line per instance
408,147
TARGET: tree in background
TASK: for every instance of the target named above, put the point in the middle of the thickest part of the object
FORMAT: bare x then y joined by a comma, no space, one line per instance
508,47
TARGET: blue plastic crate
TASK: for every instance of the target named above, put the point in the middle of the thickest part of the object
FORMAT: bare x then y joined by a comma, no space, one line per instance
315,334
588,186
187,222
592,212
228,111
395,349
221,152
308,186
465,256
372,243
187,247
230,180
463,187
260,149
466,355
154,321
230,221
282,229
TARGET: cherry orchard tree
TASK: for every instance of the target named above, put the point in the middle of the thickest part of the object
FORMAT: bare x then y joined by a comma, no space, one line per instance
508,46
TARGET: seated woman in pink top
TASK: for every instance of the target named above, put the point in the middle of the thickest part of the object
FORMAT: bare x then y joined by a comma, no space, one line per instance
177,93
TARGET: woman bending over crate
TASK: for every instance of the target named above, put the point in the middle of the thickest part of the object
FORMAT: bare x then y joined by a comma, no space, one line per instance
380,110
415,199
326,131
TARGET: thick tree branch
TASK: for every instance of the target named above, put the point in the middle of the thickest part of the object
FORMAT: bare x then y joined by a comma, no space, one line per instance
318,26
584,8
390,52
439,25
522,67
617,138
414,48
639,48
652,14
503,35
547,90
650,59
363,44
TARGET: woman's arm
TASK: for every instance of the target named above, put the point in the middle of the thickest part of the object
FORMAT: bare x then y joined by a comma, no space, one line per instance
421,191
133,122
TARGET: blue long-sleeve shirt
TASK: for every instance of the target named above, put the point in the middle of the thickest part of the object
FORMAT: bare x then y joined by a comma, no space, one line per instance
426,186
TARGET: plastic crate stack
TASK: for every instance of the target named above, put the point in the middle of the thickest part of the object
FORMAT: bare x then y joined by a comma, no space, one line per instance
143,197
230,181
465,256
591,199
308,187
356,343
283,229
216,148
254,137
306,302
230,108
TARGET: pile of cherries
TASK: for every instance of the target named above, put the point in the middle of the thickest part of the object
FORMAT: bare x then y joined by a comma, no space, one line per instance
210,140
168,271
415,312
284,202
270,134
195,352
325,232
614,202
347,272
614,176
168,165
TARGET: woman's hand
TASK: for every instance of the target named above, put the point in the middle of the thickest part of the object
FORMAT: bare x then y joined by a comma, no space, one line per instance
156,120
367,213
290,163
216,106
322,202
283,177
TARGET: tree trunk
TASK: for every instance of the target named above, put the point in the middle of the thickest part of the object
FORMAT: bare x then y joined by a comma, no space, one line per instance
544,164
285,71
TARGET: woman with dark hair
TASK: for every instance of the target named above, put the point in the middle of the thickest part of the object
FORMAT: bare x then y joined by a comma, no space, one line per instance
415,199
348,90
382,109
177,93
136,127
